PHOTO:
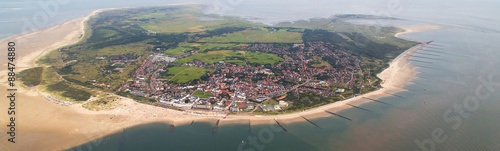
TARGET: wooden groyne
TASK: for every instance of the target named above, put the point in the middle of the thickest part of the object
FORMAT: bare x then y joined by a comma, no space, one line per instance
431,58
214,130
310,121
354,106
395,95
420,61
282,127
377,101
249,126
338,115
428,54
171,129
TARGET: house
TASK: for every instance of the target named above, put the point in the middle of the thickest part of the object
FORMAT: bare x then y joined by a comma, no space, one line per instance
250,107
217,108
267,108
282,97
260,99
266,71
122,58
242,105
205,106
283,104
234,108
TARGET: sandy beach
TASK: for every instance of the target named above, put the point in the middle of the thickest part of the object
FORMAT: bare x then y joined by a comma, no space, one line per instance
44,125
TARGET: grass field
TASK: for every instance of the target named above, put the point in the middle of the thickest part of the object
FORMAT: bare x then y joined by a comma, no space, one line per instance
279,36
208,57
182,74
32,76
263,58
69,92
178,50
200,47
237,36
179,23
205,46
105,33
259,35
216,56
200,94
151,16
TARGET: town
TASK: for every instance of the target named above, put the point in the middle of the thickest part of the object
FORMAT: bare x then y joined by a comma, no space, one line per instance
236,87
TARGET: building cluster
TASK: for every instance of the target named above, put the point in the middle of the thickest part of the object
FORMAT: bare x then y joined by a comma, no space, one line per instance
235,87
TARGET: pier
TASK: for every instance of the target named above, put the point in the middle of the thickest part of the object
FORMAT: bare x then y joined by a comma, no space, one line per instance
338,115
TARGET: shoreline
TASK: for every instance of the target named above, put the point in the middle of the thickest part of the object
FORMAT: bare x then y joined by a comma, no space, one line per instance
69,126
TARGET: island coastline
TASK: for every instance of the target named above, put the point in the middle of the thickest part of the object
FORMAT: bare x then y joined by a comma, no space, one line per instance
96,124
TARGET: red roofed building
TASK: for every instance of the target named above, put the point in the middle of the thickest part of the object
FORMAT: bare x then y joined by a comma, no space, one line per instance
282,97
242,105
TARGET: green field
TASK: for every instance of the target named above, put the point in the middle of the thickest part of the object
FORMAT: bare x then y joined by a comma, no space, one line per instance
31,76
205,46
200,94
282,36
200,47
208,57
178,50
88,67
151,16
182,74
259,35
216,56
69,92
105,33
186,22
263,58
